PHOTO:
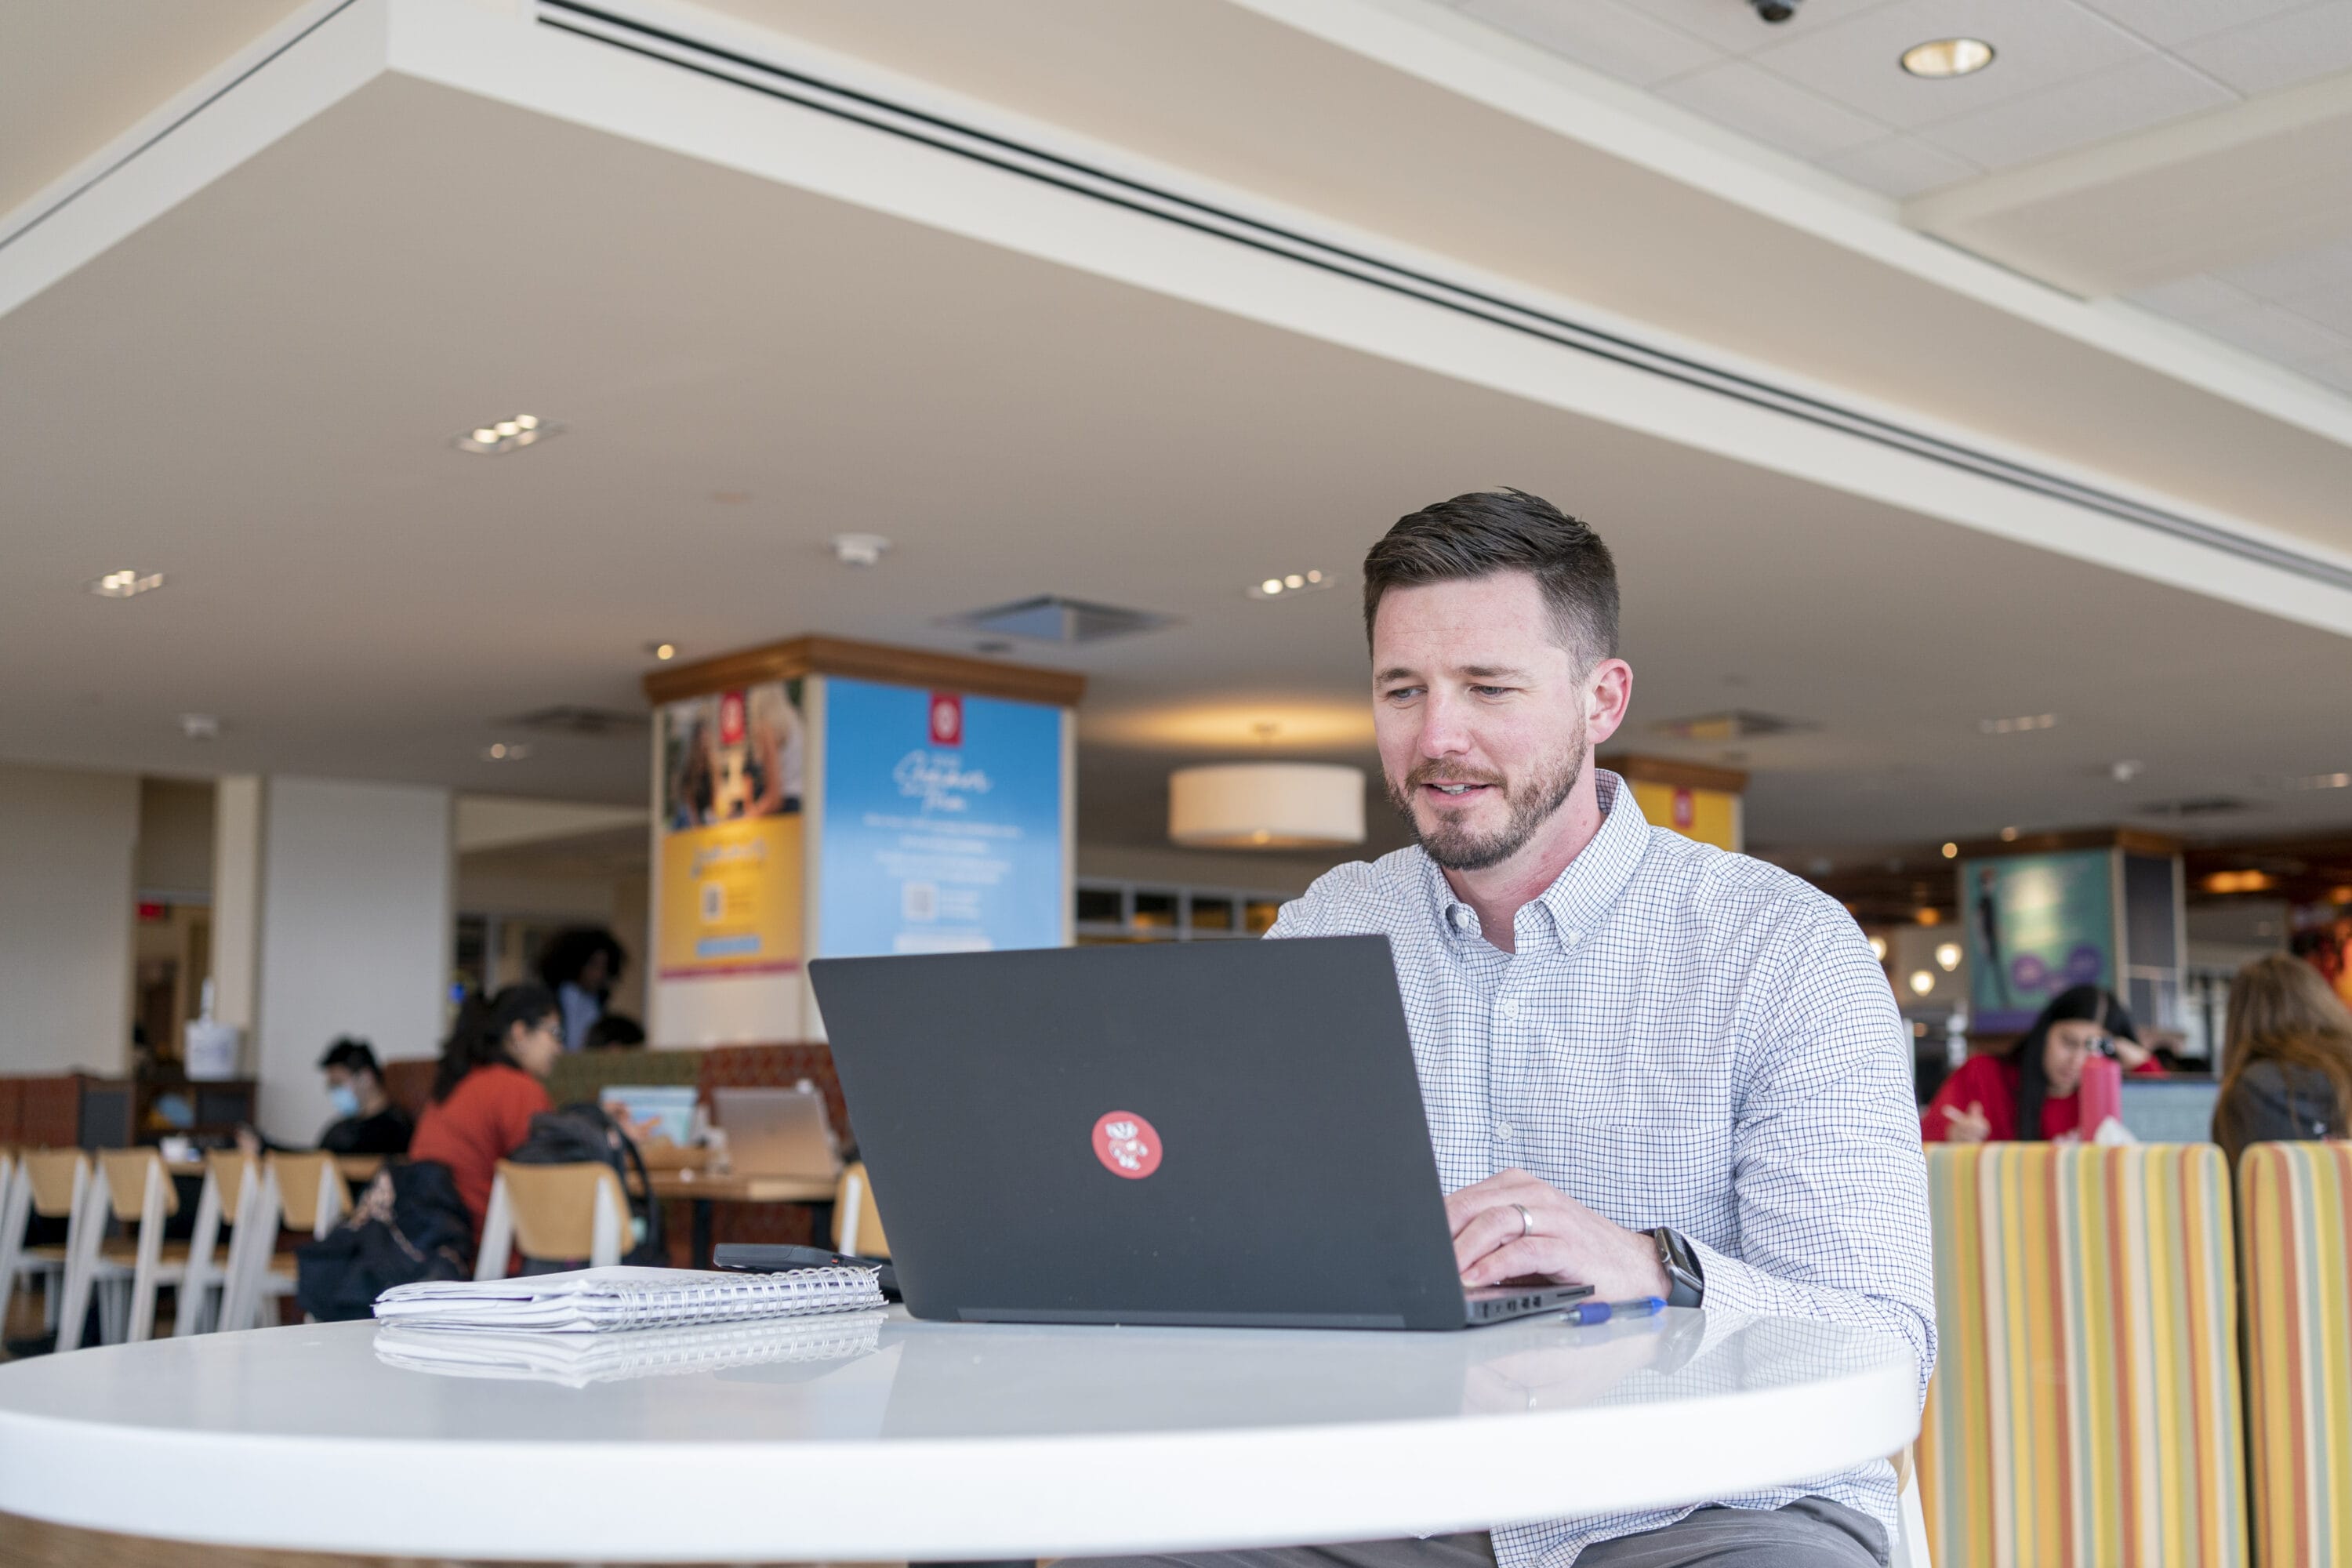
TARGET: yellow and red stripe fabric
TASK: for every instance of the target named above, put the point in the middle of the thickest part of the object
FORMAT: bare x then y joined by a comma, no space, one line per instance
2295,1222
2085,1406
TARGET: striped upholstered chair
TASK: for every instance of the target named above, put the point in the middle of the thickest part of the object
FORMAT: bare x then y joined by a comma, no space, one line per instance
2084,1409
2295,1204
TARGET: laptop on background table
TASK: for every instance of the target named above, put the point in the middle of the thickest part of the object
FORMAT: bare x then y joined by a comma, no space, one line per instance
1195,1134
776,1132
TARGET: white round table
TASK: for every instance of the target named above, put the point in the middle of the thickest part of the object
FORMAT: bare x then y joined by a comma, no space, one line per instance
882,1439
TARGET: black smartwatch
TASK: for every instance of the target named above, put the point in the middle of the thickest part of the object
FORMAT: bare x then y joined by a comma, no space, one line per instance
1686,1284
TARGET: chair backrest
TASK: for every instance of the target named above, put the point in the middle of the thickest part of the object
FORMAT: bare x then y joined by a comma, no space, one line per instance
229,1168
128,1184
856,1224
2296,1230
54,1173
554,1206
310,1188
2084,1406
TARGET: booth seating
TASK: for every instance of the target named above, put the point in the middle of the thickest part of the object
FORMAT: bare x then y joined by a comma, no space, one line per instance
2085,1403
41,1112
2295,1236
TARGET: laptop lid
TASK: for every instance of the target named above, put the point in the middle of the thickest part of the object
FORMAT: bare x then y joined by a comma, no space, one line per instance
2169,1110
1222,1132
775,1132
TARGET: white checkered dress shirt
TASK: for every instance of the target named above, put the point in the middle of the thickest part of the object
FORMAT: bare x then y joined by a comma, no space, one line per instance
1684,1038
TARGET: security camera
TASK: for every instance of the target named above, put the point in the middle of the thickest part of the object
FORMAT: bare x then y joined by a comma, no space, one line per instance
1776,10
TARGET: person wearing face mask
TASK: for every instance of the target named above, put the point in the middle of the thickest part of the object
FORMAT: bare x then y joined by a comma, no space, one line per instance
366,1120
2032,1094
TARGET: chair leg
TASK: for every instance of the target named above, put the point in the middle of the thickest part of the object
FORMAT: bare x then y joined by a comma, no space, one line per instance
91,1209
498,1234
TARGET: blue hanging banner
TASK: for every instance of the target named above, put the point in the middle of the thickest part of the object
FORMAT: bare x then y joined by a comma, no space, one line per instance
943,825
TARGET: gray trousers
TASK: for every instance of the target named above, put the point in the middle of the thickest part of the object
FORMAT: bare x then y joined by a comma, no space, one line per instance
1812,1533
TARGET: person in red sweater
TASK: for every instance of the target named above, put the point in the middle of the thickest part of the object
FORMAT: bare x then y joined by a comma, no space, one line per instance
2030,1095
488,1088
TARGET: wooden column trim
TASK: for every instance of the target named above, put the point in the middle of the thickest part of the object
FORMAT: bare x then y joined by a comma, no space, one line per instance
864,661
1675,774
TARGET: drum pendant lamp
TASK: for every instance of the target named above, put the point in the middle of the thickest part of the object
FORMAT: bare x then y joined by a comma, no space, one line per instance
1267,805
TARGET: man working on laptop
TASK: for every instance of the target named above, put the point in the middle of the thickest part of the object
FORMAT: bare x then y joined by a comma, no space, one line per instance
1649,1066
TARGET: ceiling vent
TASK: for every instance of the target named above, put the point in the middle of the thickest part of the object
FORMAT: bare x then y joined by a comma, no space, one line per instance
1738,724
2195,805
571,718
1049,617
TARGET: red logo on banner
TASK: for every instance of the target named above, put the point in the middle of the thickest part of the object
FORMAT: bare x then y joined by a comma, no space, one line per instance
1685,808
947,719
730,718
1127,1144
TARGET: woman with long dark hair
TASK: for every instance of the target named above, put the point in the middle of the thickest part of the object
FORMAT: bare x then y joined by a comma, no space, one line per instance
488,1088
2032,1094
2286,1057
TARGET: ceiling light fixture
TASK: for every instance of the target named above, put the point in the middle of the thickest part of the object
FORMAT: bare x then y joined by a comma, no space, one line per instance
125,584
1951,851
1289,583
1878,948
200,726
2008,836
1922,982
505,751
506,434
1267,805
1947,956
859,550
1941,57
2240,882
2011,726
2319,780
664,651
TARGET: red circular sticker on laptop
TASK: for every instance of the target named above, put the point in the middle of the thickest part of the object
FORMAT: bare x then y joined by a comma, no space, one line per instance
1127,1144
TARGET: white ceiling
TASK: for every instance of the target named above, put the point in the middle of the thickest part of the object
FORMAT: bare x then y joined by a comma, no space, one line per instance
255,393
2068,75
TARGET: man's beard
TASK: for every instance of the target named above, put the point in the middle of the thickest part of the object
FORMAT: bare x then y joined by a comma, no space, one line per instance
1532,801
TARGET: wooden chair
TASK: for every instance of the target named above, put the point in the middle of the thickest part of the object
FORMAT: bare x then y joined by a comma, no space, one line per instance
2084,1408
2294,1205
554,1213
856,1227
143,1200
50,1182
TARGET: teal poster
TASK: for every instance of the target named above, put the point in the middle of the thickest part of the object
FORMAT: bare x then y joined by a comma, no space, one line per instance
2035,925
942,822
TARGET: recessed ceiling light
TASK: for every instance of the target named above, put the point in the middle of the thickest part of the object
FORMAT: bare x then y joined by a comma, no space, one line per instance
1947,956
1922,982
1951,851
125,584
505,751
1288,582
2010,726
859,549
200,726
2008,836
662,650
1878,948
1942,58
506,434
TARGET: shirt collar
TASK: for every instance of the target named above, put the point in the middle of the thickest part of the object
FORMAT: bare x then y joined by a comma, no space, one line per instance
1584,890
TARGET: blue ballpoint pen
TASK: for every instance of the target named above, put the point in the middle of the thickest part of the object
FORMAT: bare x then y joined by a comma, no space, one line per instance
1601,1311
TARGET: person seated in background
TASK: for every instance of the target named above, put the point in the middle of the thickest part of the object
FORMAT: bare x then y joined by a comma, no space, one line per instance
366,1120
2286,1058
489,1087
578,967
2030,1095
613,1031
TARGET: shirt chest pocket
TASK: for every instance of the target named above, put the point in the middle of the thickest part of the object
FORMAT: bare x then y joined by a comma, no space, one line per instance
1669,1171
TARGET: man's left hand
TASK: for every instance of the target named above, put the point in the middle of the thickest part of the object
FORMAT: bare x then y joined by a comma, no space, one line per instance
1559,1240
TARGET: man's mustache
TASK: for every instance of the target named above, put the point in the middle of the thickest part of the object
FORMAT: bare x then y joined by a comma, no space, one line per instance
1440,773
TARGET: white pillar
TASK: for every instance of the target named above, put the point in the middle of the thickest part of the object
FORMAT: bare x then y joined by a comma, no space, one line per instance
238,803
355,928
68,842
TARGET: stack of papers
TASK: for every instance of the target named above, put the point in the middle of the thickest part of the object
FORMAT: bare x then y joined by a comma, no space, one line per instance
575,1361
592,1301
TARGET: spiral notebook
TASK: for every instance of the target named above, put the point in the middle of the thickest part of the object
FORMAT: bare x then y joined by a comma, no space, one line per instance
576,1361
597,1300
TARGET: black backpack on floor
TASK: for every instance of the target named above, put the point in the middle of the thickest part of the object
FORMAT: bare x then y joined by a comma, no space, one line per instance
583,1133
409,1224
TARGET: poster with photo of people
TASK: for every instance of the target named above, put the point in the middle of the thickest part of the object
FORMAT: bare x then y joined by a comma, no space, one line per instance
732,771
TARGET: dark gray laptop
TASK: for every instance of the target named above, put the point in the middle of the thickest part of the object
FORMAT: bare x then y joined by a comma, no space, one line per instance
1225,1132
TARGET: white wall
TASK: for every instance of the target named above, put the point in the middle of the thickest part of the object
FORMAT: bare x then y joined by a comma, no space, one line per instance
67,842
355,933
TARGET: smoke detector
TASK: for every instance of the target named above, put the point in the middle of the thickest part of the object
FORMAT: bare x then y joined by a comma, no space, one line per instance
859,549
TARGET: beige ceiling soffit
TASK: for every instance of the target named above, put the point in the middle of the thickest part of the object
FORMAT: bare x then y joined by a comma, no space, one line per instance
500,822
1459,53
310,61
848,139
2231,186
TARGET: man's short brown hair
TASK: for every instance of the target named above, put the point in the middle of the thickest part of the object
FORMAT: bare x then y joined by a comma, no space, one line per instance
1487,532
